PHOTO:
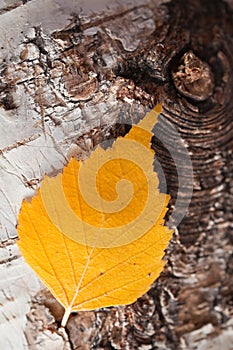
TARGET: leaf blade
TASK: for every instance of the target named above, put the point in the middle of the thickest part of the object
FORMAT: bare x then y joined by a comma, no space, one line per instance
107,270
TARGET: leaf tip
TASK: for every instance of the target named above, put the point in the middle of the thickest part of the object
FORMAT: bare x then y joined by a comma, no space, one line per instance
148,122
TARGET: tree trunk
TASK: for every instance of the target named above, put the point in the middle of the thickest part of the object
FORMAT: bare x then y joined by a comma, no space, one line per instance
74,74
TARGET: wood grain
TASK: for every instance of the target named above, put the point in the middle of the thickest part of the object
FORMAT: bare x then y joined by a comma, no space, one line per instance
83,77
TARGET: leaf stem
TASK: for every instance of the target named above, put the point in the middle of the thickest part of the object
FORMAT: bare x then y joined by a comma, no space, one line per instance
66,316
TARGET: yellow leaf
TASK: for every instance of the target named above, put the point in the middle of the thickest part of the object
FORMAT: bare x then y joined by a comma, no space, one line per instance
95,234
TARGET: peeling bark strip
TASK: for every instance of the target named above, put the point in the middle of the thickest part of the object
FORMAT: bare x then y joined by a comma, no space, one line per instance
71,76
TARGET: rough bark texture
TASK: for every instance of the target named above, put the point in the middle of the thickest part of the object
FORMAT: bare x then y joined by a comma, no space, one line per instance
71,76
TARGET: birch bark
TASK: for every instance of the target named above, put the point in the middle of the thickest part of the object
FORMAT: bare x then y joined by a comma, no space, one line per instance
73,74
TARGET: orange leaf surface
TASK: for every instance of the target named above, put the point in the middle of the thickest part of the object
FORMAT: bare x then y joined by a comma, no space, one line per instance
95,234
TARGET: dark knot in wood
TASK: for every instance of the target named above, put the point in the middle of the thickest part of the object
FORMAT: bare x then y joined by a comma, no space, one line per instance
193,77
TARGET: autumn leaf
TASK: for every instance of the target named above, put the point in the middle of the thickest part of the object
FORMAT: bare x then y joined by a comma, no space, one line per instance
95,234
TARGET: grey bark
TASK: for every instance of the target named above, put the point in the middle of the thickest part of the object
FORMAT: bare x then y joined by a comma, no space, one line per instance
74,75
